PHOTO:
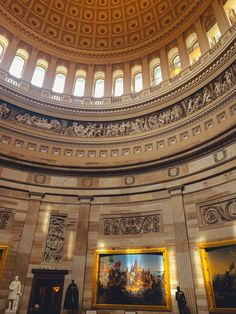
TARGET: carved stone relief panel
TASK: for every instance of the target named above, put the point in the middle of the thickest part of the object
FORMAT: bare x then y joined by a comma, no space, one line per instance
55,238
131,224
217,212
5,216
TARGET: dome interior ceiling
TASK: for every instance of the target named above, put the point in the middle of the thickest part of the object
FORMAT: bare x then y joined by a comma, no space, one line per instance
100,25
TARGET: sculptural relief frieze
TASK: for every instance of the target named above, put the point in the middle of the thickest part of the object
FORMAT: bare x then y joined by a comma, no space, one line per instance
131,224
55,238
219,212
127,127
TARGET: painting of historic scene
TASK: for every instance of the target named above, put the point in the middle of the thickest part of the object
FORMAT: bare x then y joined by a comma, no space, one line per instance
132,279
3,257
219,263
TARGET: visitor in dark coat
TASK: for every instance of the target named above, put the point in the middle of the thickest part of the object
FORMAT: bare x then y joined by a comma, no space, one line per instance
72,297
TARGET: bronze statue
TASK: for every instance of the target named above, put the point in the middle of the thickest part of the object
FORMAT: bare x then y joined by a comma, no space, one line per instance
181,301
71,302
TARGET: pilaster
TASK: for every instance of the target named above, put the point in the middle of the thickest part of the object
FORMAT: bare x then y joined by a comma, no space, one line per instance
30,66
127,78
184,57
145,72
10,54
164,64
183,258
89,81
201,37
221,17
80,253
50,74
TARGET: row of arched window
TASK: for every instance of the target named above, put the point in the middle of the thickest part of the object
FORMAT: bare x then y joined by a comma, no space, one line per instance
192,46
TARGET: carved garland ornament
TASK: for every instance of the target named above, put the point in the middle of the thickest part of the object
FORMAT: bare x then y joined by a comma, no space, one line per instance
149,122
215,214
55,238
131,225
4,218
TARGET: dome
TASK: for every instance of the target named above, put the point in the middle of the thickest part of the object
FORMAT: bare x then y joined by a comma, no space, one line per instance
117,156
101,29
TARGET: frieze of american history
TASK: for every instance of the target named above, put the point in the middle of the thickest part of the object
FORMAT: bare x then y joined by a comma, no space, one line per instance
152,121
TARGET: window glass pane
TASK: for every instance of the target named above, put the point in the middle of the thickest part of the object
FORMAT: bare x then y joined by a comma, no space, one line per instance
59,83
176,61
17,66
157,75
138,82
119,88
1,51
38,76
79,87
99,88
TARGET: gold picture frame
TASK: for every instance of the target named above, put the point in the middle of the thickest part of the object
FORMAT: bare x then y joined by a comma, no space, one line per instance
219,268
132,279
3,257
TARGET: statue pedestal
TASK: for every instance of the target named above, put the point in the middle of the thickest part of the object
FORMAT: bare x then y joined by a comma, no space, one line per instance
10,311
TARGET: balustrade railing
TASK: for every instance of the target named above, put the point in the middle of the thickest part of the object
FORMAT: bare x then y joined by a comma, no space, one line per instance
153,91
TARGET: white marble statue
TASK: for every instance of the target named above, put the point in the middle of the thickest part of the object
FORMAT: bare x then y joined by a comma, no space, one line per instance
14,294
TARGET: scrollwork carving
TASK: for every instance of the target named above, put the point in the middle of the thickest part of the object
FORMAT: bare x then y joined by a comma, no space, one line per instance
131,225
218,213
55,238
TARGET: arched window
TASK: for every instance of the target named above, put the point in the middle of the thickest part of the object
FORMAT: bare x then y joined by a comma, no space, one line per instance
99,88
174,61
193,48
118,83
136,78
211,28
79,88
157,75
155,71
3,46
60,79
138,82
118,86
18,63
230,10
39,73
99,84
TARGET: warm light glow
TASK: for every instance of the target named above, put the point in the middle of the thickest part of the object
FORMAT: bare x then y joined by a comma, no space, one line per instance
45,221
56,289
71,244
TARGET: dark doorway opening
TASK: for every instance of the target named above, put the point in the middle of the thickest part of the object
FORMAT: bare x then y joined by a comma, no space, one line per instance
46,292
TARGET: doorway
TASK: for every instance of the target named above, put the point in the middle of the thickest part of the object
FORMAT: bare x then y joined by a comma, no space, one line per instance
46,292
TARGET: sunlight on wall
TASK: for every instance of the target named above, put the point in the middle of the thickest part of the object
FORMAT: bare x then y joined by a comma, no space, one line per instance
46,220
71,244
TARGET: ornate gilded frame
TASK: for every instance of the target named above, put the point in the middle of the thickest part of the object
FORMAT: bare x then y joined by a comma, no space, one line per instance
132,307
204,248
3,257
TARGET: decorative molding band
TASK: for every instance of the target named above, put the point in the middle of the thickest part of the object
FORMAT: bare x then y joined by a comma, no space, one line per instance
218,212
131,224
211,92
55,238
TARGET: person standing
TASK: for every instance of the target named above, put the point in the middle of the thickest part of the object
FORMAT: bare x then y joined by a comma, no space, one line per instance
181,301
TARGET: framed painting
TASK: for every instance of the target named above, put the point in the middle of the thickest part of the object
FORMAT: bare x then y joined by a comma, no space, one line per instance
3,257
132,280
219,268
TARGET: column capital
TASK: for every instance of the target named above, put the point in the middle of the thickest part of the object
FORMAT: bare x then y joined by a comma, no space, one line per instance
36,195
85,199
176,190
